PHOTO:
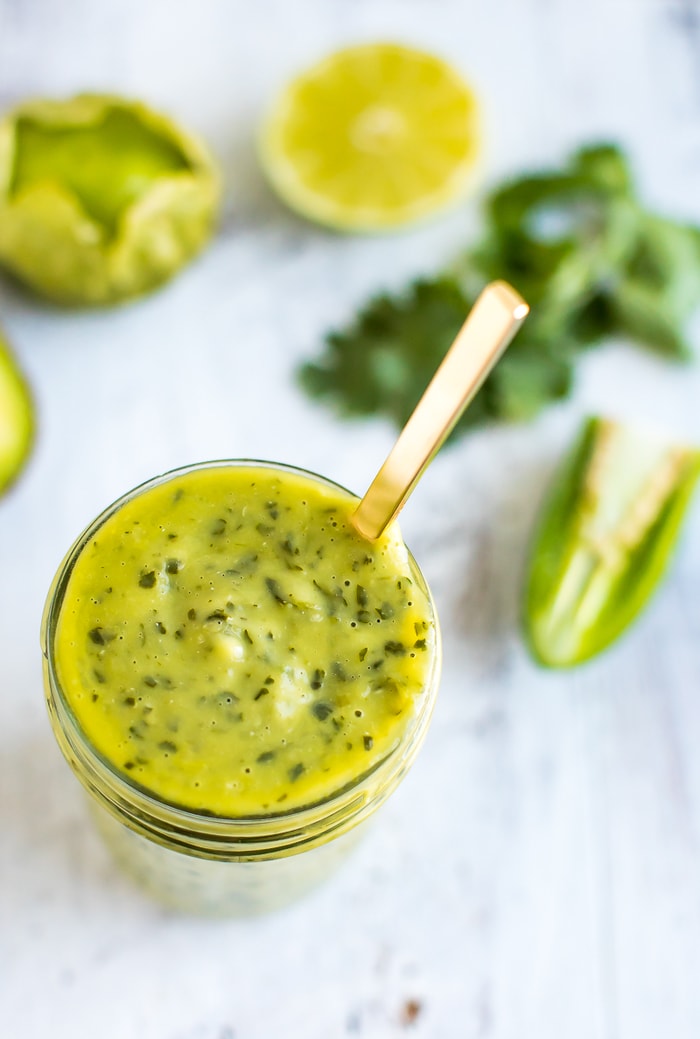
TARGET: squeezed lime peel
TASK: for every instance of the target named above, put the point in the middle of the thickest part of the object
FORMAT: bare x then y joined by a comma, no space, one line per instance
102,198
105,166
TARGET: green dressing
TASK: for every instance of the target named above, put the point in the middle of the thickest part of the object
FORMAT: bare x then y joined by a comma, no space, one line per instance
228,642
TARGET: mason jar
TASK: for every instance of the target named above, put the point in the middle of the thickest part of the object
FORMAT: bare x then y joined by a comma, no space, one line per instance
198,862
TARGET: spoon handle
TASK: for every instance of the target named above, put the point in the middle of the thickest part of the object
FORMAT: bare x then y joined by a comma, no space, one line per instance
492,322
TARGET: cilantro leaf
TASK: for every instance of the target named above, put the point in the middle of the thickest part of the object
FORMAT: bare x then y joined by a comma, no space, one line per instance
385,359
589,259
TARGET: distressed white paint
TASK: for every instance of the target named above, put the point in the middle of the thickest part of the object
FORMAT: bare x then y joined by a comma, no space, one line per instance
538,874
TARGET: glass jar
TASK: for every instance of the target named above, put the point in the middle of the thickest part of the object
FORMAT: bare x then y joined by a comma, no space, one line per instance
198,862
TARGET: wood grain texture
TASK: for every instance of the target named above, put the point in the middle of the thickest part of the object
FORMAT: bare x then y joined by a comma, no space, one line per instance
538,873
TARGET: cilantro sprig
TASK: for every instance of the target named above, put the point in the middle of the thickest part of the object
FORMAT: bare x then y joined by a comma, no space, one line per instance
591,261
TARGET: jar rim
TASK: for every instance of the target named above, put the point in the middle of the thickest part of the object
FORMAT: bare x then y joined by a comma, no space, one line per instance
179,825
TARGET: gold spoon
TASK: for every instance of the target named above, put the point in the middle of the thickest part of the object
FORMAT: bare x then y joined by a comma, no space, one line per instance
492,322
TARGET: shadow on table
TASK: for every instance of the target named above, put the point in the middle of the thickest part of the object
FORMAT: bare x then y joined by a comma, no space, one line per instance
475,556
248,200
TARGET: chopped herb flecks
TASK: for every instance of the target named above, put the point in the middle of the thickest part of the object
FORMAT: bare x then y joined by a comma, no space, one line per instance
247,671
396,649
99,636
275,591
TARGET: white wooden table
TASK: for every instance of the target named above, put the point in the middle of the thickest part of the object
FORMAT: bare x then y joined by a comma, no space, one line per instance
538,874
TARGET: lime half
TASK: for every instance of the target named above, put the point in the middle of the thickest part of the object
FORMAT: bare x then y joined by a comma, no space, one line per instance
375,136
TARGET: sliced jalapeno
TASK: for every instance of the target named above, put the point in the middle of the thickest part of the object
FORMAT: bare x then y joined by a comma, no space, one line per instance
605,539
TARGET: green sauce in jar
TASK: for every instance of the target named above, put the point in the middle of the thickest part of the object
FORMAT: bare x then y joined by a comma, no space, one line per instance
229,643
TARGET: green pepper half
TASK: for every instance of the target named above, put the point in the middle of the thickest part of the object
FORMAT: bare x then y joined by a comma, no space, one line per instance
605,538
101,198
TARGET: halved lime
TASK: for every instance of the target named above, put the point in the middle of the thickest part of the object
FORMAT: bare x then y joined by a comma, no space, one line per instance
375,136
16,418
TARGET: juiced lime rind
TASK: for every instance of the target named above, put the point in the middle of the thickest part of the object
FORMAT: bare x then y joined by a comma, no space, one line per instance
51,243
17,425
581,596
283,172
